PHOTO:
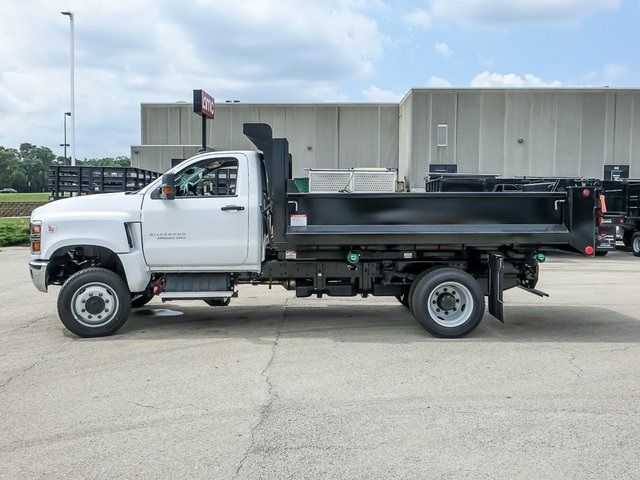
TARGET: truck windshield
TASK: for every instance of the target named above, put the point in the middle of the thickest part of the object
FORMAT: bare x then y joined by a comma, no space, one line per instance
217,177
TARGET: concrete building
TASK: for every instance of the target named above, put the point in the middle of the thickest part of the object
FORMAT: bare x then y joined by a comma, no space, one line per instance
545,132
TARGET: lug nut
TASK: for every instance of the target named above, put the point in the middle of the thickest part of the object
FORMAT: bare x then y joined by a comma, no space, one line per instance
106,309
457,300
99,316
99,294
106,301
90,316
83,310
91,294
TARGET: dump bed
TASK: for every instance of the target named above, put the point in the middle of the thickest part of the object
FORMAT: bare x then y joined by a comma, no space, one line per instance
564,219
438,219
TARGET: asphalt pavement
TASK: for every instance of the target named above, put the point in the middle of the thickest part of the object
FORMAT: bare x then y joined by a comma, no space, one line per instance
278,387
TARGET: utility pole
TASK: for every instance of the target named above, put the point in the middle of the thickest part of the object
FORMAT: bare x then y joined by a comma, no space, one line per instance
72,92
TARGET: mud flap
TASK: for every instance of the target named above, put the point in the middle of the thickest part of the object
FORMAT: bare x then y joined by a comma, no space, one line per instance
496,305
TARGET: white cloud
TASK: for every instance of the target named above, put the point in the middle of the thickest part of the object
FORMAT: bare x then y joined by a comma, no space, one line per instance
610,75
437,82
514,12
443,49
159,50
419,18
510,80
613,72
376,94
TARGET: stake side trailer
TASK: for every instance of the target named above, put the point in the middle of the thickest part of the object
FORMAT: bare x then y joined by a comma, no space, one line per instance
221,219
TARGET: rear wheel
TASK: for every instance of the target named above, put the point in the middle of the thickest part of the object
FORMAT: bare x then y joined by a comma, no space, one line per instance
448,303
94,302
626,238
635,244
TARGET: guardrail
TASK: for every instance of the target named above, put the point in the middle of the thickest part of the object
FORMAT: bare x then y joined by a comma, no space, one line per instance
66,181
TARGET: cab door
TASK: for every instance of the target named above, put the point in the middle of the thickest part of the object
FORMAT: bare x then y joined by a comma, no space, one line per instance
206,226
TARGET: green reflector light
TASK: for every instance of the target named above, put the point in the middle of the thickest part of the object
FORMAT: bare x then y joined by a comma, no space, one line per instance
353,257
540,257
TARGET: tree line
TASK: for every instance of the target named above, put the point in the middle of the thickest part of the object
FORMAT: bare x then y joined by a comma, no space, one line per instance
26,168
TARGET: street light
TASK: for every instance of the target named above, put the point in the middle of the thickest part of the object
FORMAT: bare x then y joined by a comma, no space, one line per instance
65,144
72,93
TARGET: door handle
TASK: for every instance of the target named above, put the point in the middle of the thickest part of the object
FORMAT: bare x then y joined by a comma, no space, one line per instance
232,207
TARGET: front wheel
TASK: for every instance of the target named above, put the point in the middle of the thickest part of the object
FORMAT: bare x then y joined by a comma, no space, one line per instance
94,302
448,303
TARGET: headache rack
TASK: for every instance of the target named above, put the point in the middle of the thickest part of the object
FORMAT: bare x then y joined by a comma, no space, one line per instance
67,181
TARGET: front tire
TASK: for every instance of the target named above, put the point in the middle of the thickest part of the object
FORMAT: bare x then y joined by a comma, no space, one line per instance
448,303
94,302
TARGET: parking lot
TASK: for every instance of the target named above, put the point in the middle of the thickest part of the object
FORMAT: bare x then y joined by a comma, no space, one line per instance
279,387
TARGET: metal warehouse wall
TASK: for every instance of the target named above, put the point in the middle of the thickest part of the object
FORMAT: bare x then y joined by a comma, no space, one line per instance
563,132
322,135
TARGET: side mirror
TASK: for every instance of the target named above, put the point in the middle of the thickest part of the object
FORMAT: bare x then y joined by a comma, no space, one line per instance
168,187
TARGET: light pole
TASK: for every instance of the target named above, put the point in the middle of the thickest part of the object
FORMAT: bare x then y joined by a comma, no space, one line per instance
65,144
72,93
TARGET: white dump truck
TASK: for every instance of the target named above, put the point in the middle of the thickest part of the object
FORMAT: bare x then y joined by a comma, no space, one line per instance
221,219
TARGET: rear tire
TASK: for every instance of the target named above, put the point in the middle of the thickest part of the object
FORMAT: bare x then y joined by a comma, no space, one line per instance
448,303
94,302
635,244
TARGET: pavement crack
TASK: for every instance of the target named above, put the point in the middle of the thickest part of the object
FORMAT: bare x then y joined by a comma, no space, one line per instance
26,369
270,397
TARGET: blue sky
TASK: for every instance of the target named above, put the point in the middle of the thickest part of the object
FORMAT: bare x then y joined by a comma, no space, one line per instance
134,51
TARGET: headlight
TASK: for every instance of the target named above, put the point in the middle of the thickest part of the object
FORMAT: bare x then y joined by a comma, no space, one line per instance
34,236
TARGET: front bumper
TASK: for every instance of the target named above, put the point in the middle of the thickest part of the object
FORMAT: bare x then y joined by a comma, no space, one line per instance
38,271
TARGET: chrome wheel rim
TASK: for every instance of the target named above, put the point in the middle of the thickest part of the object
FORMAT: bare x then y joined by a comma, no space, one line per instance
636,244
450,304
94,305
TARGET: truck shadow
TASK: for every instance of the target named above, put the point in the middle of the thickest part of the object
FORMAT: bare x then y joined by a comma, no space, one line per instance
364,323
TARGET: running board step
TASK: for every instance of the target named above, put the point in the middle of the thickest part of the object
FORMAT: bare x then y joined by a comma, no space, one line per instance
196,295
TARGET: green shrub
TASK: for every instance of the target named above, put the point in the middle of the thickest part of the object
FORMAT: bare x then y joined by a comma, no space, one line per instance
14,230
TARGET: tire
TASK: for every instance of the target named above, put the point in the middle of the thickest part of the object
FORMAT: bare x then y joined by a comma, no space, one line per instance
448,303
142,300
415,282
601,253
626,238
100,289
635,244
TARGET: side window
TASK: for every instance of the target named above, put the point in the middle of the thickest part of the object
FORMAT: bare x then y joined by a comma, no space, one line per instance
209,178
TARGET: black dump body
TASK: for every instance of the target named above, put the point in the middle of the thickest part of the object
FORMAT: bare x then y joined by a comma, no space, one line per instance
562,219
